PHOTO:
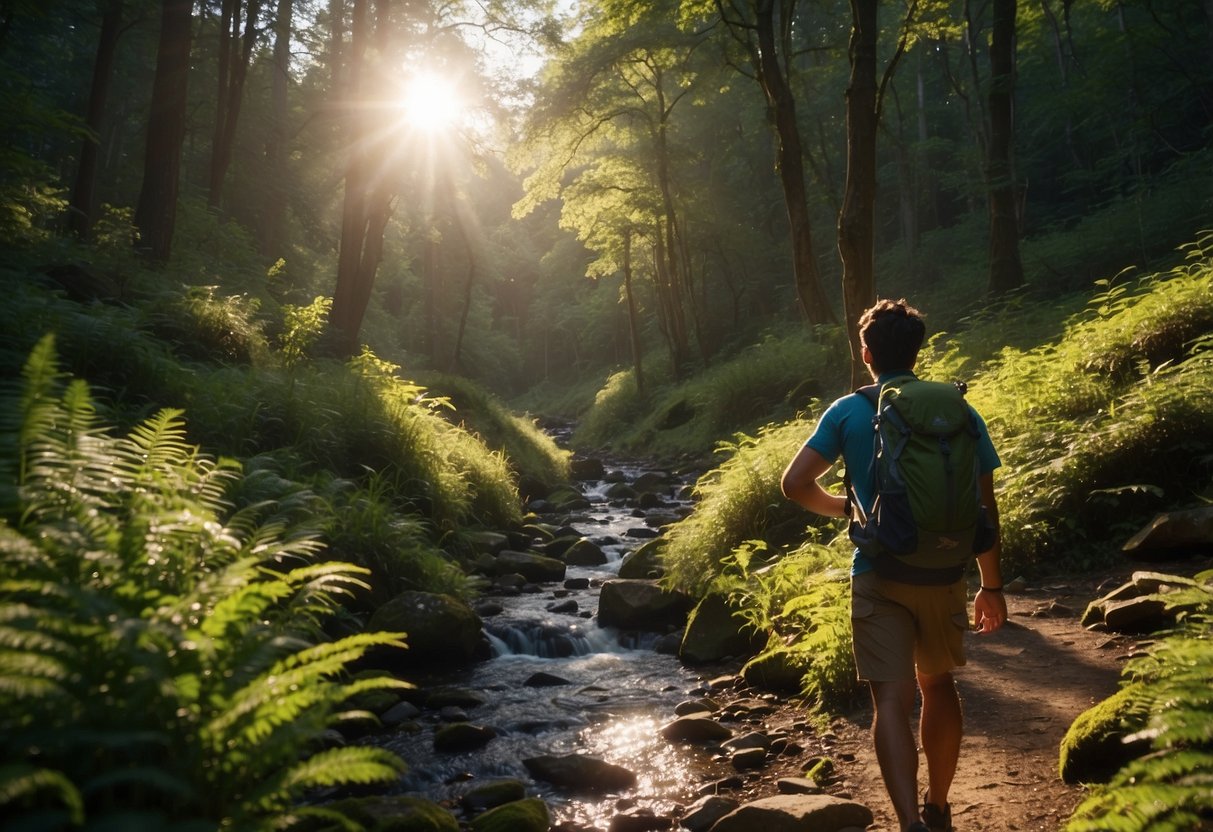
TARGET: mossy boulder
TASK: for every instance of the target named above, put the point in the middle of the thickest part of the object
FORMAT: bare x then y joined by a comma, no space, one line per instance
640,605
779,669
527,815
395,813
1094,748
644,562
437,627
490,795
714,632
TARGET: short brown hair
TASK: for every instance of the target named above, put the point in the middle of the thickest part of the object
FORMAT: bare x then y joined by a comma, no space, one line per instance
893,331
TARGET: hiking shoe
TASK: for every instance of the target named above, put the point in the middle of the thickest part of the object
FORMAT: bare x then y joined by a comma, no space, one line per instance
936,819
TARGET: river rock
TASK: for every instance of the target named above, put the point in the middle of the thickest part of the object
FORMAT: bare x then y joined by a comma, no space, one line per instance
489,795
484,540
1174,533
745,759
527,815
533,567
399,714
695,728
640,820
796,813
639,605
462,736
395,813
694,706
714,632
706,811
653,482
566,607
585,553
580,773
754,739
644,562
438,628
779,670
540,679
1135,606
797,785
587,469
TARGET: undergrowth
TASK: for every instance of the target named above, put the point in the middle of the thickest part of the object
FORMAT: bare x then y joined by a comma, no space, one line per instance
162,658
1171,787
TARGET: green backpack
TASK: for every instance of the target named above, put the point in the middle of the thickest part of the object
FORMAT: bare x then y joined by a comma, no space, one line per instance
928,521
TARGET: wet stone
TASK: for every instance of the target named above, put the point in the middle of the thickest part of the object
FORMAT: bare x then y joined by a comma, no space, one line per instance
749,758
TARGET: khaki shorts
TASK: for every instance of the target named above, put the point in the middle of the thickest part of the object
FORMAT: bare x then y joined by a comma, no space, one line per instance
898,628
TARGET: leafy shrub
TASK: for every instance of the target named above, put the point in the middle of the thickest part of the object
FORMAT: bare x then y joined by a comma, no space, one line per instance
803,601
738,501
161,661
1098,426
1171,788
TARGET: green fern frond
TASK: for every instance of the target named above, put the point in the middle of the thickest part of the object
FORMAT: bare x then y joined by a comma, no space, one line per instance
21,781
359,765
293,684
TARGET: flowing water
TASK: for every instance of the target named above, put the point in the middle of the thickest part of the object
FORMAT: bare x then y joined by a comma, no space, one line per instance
619,694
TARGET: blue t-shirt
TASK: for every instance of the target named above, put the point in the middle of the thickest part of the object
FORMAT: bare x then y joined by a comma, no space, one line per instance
845,430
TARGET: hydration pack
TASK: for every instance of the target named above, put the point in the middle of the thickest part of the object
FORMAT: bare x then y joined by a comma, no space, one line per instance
927,522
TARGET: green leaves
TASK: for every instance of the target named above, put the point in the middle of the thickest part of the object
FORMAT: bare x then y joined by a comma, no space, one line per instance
1172,787
160,666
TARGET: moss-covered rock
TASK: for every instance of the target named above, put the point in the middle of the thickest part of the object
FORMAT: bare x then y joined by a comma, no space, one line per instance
779,669
527,815
714,632
490,795
1094,748
438,628
395,813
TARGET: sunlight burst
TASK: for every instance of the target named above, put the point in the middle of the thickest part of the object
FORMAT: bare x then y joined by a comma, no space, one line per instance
431,102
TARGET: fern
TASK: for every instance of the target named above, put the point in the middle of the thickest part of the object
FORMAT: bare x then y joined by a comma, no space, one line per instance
1172,787
160,668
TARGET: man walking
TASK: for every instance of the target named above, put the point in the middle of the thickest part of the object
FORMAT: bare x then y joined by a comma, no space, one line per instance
905,636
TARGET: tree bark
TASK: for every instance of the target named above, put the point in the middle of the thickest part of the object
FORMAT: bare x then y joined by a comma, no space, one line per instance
235,55
856,235
790,166
83,204
156,213
273,221
1006,270
633,317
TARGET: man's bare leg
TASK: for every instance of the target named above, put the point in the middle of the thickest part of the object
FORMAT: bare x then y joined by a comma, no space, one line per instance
941,726
896,751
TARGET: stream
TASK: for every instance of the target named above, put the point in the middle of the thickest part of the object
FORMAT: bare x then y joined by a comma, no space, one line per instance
618,695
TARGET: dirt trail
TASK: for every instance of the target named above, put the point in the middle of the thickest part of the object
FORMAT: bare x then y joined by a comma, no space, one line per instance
1022,687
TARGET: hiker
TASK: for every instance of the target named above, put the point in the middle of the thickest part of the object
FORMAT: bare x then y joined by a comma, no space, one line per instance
903,632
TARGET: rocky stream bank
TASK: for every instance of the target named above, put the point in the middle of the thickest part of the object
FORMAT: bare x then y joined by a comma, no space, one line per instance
577,695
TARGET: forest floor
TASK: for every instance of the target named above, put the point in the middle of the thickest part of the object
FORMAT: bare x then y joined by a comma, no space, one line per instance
1022,688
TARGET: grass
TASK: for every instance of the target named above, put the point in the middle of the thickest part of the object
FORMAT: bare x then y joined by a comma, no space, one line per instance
766,382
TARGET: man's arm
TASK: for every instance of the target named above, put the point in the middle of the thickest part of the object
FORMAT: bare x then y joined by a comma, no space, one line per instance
990,607
799,484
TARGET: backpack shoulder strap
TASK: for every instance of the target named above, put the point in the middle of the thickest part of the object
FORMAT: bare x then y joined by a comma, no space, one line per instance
871,392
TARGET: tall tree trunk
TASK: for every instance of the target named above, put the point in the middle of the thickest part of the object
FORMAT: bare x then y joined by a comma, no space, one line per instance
235,55
856,235
83,204
633,318
1006,270
673,263
366,209
156,213
273,221
790,164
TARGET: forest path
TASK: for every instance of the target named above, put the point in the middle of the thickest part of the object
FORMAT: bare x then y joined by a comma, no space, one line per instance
1022,688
